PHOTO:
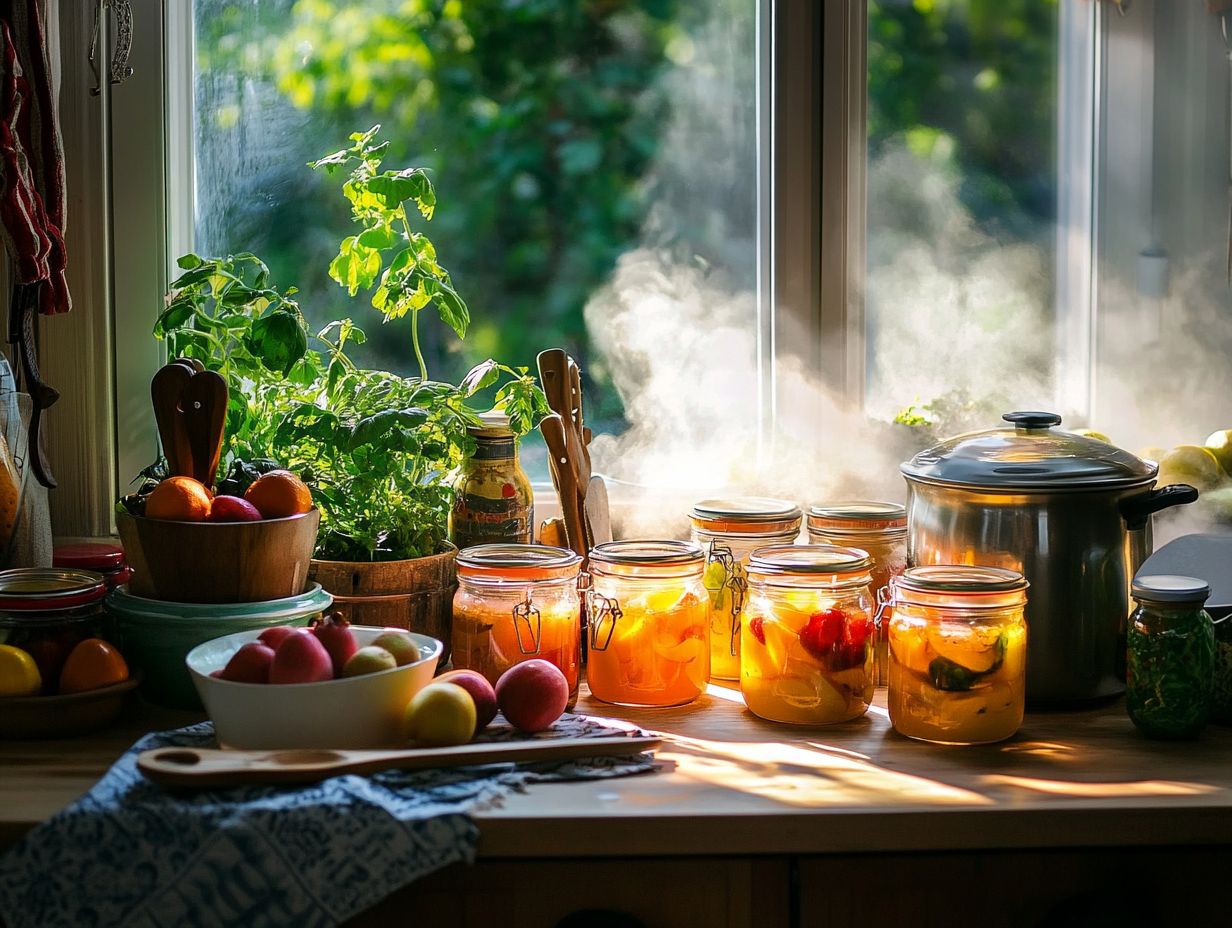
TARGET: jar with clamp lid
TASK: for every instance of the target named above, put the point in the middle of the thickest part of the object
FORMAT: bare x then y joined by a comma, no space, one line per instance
517,602
649,618
879,528
806,638
958,654
728,531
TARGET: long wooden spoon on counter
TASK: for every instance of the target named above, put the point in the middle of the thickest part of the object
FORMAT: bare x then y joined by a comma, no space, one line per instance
206,768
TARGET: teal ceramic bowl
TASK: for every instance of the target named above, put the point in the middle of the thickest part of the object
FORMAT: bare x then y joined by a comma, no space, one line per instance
156,635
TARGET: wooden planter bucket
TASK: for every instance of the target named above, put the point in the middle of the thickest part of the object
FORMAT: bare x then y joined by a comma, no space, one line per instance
415,594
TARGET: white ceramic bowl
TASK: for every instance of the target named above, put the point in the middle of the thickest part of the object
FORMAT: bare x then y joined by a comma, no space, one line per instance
354,712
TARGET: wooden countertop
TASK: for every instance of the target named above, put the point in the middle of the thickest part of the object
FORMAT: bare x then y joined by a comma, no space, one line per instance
731,784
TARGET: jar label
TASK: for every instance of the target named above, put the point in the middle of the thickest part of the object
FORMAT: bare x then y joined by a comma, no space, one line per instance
480,520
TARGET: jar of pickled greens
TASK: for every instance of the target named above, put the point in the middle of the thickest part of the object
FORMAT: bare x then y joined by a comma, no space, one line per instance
876,527
493,500
1170,657
648,617
957,654
807,634
728,531
514,603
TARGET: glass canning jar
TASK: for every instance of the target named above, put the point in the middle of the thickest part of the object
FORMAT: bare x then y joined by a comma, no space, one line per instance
728,531
879,528
1170,659
649,623
47,611
807,635
516,602
958,653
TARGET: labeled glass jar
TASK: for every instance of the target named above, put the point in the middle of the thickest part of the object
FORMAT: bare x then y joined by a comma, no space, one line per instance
649,623
47,611
514,603
807,635
957,654
1170,657
493,500
728,531
880,528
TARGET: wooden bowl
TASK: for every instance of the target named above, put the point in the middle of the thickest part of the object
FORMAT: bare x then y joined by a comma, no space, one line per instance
218,562
59,716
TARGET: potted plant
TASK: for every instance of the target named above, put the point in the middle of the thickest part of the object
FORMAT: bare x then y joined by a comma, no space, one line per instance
376,448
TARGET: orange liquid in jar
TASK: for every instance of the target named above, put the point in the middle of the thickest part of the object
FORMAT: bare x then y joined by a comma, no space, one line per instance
808,662
658,652
956,682
487,639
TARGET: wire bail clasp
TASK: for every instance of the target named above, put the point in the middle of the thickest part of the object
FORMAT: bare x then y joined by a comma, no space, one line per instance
605,612
526,614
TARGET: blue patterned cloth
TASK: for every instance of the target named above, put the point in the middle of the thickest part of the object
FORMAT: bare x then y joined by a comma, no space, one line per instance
132,853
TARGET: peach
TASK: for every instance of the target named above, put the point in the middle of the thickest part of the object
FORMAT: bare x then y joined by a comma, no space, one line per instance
398,643
301,659
273,636
250,664
532,695
481,692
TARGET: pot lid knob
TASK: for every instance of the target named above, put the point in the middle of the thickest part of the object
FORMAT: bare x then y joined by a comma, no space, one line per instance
1033,420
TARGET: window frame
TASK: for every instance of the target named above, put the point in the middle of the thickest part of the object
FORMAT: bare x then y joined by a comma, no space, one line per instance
811,234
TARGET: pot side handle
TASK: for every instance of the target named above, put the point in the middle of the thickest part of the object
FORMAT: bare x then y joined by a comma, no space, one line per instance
1135,510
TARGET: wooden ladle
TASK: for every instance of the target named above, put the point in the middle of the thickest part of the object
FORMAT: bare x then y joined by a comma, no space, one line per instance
205,768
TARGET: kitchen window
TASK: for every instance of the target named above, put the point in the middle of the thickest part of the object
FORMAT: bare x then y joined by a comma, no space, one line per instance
887,206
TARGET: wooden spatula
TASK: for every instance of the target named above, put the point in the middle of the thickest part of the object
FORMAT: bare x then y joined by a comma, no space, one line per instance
166,389
206,768
203,406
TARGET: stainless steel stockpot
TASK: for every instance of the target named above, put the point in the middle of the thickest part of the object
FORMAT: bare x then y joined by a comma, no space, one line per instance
1073,514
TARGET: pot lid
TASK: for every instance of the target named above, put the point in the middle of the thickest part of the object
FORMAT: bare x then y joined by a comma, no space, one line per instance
1031,454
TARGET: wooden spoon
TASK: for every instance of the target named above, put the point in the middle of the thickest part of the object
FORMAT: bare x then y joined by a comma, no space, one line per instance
166,389
208,767
552,427
204,406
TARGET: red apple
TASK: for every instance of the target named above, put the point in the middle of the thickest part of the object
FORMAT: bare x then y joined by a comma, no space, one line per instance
532,695
273,636
233,509
301,659
481,692
250,664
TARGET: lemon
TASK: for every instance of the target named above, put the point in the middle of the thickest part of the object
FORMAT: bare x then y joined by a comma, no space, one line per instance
1190,464
1220,445
1091,433
19,675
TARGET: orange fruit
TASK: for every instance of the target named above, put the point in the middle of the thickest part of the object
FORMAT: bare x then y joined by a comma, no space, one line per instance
92,665
279,494
179,499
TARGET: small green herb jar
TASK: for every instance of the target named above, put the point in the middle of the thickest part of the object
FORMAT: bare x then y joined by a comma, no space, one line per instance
1170,657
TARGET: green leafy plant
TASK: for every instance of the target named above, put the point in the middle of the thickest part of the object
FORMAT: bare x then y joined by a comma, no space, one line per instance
376,448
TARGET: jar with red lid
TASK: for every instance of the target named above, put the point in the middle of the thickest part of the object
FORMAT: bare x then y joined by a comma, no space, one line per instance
96,556
46,612
880,528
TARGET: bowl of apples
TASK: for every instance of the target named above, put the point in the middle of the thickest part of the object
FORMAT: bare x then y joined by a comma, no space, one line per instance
331,685
186,544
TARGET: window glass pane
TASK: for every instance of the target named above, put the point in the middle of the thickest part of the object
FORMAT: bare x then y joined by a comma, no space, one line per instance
582,153
962,194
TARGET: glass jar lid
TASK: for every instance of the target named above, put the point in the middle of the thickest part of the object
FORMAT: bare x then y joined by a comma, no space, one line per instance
746,515
496,563
960,586
494,426
774,560
1030,455
42,589
647,553
858,517
1170,588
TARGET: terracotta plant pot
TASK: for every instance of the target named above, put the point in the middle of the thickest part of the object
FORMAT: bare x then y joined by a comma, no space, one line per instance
415,594
218,562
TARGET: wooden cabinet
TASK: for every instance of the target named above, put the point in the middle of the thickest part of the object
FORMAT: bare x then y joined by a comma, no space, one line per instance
630,893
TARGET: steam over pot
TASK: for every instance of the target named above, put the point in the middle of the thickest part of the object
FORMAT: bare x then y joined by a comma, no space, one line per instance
1073,514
